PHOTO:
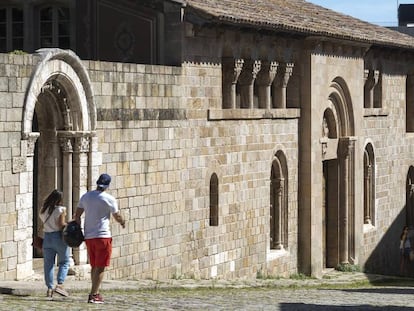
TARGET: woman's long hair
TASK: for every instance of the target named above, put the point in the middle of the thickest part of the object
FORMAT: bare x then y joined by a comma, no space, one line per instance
404,235
54,198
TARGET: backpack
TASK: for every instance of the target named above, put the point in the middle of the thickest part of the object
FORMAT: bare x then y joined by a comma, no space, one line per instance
72,234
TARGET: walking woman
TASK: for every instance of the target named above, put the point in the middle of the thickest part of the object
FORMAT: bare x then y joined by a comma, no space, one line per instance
53,216
405,248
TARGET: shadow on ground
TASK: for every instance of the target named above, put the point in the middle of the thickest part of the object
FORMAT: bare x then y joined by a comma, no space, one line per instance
314,307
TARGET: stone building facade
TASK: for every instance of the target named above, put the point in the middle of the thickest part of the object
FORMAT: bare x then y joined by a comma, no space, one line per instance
251,141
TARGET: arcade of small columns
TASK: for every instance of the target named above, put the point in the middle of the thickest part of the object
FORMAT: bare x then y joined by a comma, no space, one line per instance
372,88
245,74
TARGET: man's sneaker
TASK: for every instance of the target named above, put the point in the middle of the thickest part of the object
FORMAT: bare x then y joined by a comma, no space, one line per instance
96,298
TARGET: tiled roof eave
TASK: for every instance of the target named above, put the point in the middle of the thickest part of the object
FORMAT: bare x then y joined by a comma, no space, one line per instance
209,18
305,32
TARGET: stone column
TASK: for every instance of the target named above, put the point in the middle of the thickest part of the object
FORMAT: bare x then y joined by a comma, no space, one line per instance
279,220
280,85
346,213
67,150
247,79
231,71
264,81
80,182
367,190
80,166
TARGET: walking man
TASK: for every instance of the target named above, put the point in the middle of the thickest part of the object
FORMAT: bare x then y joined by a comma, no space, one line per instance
98,206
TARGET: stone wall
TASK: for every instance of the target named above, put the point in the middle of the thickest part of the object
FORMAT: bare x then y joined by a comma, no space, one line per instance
162,150
15,171
161,132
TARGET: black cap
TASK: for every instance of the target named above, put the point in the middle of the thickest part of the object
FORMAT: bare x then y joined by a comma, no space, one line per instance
103,181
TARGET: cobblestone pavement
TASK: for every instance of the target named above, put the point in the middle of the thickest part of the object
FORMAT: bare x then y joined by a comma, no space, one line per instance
337,293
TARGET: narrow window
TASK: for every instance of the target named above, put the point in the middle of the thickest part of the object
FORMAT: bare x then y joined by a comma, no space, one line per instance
278,203
214,200
369,185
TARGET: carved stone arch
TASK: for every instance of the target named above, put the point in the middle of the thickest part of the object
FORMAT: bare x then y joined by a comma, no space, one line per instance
341,99
66,68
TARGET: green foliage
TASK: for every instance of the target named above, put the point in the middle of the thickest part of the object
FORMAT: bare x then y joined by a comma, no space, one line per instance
18,52
346,267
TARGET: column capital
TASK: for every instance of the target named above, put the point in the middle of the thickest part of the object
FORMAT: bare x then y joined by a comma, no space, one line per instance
232,69
286,71
66,144
31,139
82,143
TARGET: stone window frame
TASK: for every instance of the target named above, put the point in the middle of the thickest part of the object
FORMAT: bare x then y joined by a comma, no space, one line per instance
369,185
278,213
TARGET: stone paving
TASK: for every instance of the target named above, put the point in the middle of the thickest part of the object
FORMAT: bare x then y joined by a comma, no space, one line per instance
333,292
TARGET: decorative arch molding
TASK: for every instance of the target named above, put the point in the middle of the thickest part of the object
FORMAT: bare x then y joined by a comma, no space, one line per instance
341,99
66,68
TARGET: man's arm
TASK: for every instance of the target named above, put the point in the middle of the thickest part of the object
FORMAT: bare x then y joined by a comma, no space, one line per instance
118,217
78,214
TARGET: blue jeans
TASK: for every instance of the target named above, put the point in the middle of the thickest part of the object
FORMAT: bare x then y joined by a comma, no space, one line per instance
53,245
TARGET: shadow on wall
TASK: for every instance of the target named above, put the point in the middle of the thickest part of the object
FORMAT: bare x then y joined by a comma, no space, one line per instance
385,258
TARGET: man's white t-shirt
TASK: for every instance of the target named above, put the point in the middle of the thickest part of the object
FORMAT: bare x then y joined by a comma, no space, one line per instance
98,207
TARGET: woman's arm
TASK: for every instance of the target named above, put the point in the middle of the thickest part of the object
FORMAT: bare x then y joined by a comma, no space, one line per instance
62,220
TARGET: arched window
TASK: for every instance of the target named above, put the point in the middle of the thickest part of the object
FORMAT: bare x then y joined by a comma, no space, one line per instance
11,29
369,185
214,200
278,203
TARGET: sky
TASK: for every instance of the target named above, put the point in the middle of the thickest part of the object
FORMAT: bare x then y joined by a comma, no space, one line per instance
380,12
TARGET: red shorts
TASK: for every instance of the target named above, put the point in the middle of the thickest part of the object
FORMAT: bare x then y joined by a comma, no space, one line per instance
99,251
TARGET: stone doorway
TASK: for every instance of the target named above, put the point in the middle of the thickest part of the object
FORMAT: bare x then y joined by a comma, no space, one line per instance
58,131
330,212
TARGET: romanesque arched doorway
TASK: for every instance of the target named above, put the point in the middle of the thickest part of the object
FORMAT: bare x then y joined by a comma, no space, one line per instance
59,121
338,211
